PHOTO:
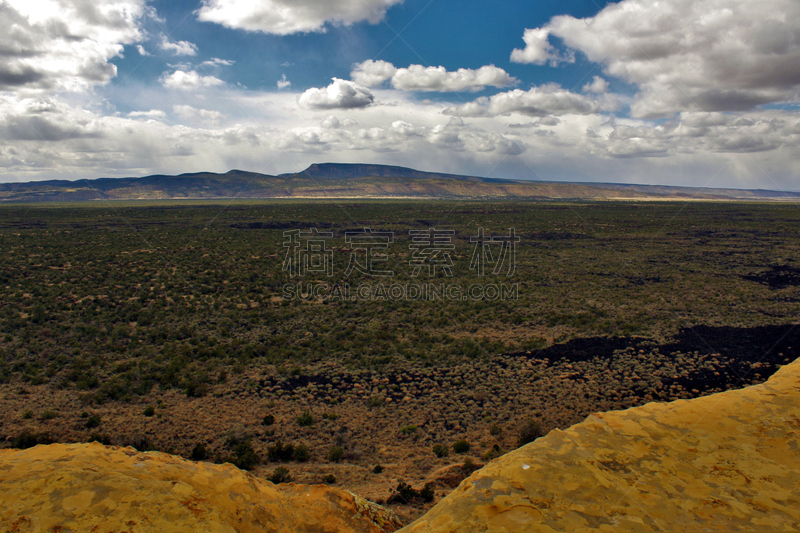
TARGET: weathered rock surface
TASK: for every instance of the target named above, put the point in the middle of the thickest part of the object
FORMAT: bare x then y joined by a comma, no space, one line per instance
94,488
721,463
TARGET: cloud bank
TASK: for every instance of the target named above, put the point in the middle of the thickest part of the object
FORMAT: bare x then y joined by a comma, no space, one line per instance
548,99
704,70
56,45
715,55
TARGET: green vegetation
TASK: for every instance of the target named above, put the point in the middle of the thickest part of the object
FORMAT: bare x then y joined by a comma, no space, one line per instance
103,439
131,303
335,454
406,494
410,429
461,446
114,301
529,432
301,453
244,456
280,452
375,401
440,450
142,444
199,452
29,439
110,304
468,467
280,475
306,419
494,453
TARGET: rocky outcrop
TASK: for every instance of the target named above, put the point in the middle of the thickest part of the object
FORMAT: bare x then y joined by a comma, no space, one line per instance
721,463
91,487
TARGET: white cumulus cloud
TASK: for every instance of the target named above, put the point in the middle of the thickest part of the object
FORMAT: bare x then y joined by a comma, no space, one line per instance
340,94
372,73
151,114
541,101
189,80
216,62
284,17
697,133
179,48
283,83
51,44
47,137
538,50
419,78
598,86
456,136
715,55
188,112
331,122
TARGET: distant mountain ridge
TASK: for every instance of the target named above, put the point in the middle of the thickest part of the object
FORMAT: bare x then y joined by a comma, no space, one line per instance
344,180
360,170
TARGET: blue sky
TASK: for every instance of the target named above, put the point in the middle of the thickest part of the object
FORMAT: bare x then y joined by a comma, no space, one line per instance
640,91
433,35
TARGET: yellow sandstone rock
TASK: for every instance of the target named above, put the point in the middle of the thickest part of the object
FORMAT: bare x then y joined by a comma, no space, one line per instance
724,463
94,488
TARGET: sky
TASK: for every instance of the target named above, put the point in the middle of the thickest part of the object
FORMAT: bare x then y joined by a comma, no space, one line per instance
674,92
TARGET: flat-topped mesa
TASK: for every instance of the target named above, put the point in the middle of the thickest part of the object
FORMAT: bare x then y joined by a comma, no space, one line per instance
91,487
364,170
725,462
